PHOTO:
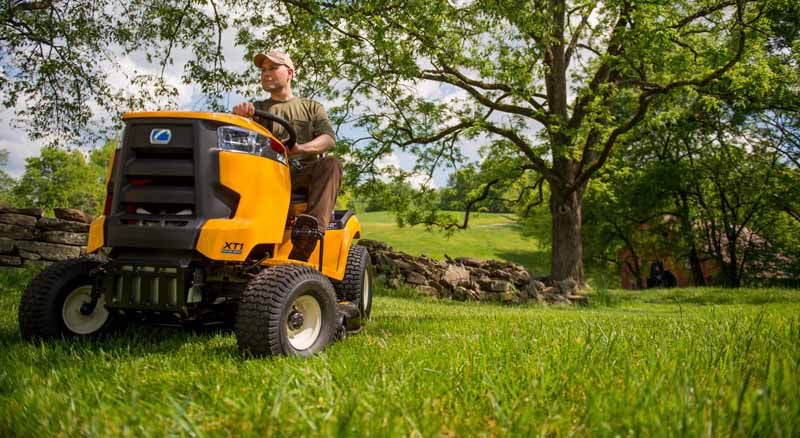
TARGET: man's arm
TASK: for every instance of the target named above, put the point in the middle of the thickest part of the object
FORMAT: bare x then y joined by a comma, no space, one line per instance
321,143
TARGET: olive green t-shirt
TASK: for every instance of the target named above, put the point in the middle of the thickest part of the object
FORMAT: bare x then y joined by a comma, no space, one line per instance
308,117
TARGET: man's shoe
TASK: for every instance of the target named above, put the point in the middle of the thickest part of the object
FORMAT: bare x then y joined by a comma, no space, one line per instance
305,234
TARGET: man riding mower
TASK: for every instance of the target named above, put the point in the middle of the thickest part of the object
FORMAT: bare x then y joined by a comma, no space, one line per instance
197,229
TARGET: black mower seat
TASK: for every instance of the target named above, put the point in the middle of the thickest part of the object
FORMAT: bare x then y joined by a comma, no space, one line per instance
339,219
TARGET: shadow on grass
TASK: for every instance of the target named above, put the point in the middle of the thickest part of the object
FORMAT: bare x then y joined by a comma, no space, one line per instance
538,261
133,340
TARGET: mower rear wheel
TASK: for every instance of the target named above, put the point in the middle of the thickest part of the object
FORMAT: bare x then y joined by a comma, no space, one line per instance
51,305
286,310
356,286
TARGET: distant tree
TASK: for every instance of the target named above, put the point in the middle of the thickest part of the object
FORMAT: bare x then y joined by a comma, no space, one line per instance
459,183
733,182
723,185
382,195
61,178
625,210
485,187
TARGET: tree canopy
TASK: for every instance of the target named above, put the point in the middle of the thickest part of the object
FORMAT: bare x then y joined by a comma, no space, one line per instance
60,178
556,85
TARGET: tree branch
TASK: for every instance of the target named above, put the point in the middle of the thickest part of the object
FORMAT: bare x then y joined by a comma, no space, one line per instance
583,176
309,10
490,86
615,47
702,13
538,164
483,99
470,204
644,102
574,40
439,135
173,37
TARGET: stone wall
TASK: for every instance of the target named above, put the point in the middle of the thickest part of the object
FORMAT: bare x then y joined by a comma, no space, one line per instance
27,238
467,278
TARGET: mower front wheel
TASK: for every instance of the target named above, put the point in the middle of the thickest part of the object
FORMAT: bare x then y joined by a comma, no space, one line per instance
54,303
356,286
287,310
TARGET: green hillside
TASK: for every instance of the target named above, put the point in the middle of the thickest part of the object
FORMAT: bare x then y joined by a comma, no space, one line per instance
489,235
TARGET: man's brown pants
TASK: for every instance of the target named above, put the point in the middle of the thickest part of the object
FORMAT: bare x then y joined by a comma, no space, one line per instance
322,179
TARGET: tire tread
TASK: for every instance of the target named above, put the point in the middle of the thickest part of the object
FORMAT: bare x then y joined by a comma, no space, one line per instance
258,320
349,288
36,308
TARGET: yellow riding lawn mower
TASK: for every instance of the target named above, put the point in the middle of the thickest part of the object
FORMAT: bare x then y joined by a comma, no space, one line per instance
196,229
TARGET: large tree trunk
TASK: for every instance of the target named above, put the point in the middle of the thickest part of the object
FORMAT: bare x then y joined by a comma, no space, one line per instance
731,269
697,267
567,248
688,235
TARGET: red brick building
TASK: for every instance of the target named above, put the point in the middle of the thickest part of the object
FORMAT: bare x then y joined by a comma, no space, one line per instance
678,268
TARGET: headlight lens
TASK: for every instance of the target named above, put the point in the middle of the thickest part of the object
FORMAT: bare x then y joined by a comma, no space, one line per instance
232,138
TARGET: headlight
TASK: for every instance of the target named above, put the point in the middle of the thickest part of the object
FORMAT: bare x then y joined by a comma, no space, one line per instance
232,138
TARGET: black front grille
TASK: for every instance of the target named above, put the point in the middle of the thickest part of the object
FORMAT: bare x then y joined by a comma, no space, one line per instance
159,178
166,190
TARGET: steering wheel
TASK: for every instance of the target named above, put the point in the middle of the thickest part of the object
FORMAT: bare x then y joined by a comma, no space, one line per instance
290,142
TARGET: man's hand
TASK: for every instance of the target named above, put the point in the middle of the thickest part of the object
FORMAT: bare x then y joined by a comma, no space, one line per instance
320,144
298,149
246,109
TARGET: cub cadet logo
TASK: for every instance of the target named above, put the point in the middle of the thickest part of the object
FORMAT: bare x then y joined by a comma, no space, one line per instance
233,248
160,136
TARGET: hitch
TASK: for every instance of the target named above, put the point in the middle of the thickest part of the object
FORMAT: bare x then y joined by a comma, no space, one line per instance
98,275
347,319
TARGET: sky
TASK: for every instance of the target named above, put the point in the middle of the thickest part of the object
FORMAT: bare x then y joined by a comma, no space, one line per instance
190,98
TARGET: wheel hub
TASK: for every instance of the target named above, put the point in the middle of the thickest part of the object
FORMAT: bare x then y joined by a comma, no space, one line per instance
87,309
295,319
72,312
304,322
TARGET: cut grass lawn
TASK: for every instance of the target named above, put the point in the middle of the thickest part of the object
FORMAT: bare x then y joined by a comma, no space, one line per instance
659,363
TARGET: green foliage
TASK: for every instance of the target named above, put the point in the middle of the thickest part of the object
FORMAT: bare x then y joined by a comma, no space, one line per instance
700,362
719,165
624,223
713,186
59,59
489,188
53,57
6,182
459,185
59,178
381,195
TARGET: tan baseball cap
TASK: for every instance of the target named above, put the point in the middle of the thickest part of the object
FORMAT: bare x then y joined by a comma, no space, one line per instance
275,56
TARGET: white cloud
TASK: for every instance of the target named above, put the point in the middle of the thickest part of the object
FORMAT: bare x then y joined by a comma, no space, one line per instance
16,142
393,162
418,181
